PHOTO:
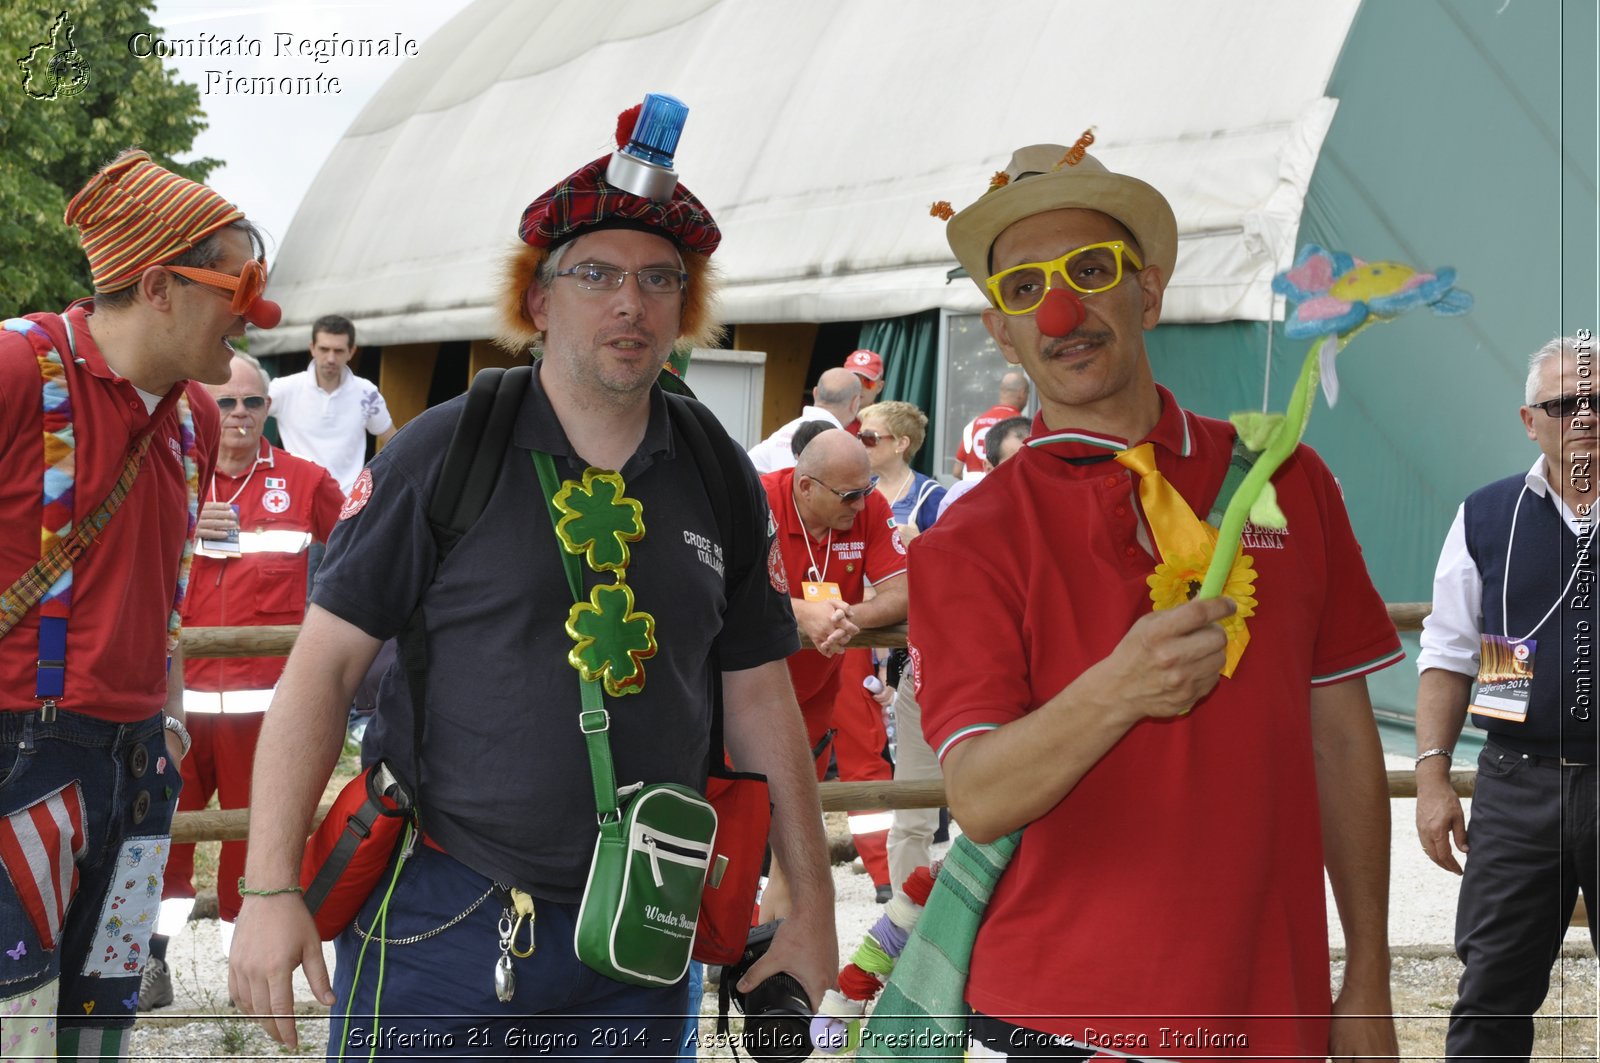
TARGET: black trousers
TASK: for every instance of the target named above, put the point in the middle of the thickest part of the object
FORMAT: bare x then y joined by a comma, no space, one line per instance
1532,838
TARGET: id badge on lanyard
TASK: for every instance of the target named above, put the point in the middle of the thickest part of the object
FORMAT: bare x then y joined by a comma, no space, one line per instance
818,591
1505,678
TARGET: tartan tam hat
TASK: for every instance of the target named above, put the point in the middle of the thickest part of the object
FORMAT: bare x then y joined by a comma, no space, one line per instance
865,363
1041,178
134,214
586,201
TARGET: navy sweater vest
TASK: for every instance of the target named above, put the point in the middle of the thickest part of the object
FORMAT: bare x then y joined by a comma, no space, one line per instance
1562,708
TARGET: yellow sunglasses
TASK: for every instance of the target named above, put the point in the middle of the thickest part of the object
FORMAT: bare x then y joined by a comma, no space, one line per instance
1088,269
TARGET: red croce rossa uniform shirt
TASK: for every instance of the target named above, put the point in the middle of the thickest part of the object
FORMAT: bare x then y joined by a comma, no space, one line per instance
1175,895
973,438
284,503
122,586
870,551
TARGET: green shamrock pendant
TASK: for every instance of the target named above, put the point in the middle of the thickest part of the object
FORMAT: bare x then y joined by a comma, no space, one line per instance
612,640
599,520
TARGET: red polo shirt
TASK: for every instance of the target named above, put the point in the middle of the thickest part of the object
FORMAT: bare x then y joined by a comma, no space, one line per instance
284,503
871,551
973,437
1179,885
122,586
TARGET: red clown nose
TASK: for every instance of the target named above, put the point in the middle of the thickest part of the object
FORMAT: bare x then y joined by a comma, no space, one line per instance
1060,313
264,314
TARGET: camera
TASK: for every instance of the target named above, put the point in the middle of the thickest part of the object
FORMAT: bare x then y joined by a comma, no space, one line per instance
777,1012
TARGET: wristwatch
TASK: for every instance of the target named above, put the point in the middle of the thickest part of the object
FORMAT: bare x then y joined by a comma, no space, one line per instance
175,725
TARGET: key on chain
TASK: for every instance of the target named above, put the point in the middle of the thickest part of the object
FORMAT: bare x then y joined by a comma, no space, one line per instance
505,977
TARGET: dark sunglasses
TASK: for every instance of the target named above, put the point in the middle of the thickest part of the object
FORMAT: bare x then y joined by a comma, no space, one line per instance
1565,406
868,437
251,403
850,497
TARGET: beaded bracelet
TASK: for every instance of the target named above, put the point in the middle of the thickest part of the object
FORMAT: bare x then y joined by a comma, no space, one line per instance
246,892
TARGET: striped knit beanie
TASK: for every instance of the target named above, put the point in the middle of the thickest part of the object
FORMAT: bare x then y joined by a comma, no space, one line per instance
134,214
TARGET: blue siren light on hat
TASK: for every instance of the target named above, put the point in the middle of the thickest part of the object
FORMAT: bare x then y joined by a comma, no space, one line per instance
644,165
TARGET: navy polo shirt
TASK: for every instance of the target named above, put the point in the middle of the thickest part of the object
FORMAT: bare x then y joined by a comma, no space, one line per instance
506,785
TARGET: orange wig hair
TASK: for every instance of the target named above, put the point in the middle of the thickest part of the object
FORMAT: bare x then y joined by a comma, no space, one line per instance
697,324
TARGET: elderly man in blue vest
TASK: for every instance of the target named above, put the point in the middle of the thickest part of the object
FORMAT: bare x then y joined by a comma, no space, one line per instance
1514,608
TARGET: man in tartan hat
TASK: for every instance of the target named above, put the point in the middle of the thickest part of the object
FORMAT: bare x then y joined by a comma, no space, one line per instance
613,271
105,434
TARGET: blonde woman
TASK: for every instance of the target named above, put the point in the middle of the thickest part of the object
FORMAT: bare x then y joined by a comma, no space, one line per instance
893,433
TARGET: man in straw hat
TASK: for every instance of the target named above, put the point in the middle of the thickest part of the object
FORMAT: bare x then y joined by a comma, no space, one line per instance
105,436
1166,899
612,273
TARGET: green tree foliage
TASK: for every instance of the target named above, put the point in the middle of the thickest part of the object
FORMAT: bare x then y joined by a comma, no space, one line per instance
73,95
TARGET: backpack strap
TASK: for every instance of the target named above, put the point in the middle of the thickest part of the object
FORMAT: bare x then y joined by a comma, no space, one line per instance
466,481
477,449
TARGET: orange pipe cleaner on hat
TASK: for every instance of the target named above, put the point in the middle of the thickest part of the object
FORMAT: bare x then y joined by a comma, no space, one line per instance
1075,153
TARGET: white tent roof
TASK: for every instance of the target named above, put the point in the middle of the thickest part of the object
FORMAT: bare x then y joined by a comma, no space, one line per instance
819,134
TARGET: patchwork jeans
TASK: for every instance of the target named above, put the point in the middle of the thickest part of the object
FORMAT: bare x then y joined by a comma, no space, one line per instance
85,817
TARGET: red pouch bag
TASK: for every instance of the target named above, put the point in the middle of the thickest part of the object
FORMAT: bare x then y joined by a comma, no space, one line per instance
346,856
744,817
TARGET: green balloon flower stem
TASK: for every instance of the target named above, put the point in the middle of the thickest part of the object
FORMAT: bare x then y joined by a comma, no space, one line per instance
1282,444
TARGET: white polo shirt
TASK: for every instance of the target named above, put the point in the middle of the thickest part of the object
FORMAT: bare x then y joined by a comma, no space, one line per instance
329,428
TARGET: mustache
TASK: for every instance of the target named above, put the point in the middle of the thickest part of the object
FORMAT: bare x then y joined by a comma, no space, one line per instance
630,332
1076,336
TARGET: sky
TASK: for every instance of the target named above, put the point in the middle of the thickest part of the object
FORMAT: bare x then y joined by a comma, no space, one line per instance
273,145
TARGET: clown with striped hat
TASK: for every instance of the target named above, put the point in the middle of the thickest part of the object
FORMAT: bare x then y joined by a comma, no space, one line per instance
106,438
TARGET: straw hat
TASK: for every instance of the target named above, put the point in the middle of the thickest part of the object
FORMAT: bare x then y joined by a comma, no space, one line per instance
1038,180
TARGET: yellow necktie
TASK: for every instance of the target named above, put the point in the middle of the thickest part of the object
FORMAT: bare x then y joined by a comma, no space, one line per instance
1185,543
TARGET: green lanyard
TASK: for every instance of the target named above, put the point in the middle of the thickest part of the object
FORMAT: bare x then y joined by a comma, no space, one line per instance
593,720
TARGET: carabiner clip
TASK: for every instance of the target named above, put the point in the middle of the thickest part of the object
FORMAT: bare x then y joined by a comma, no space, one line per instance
523,904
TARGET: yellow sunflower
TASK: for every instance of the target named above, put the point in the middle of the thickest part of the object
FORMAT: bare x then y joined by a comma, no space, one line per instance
1179,580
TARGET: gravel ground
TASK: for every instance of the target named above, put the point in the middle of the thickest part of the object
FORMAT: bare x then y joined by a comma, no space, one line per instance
202,1025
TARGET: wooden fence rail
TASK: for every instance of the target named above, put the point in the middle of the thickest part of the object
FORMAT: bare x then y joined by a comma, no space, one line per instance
234,825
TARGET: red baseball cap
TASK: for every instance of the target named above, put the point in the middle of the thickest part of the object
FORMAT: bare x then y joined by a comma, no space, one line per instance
865,364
